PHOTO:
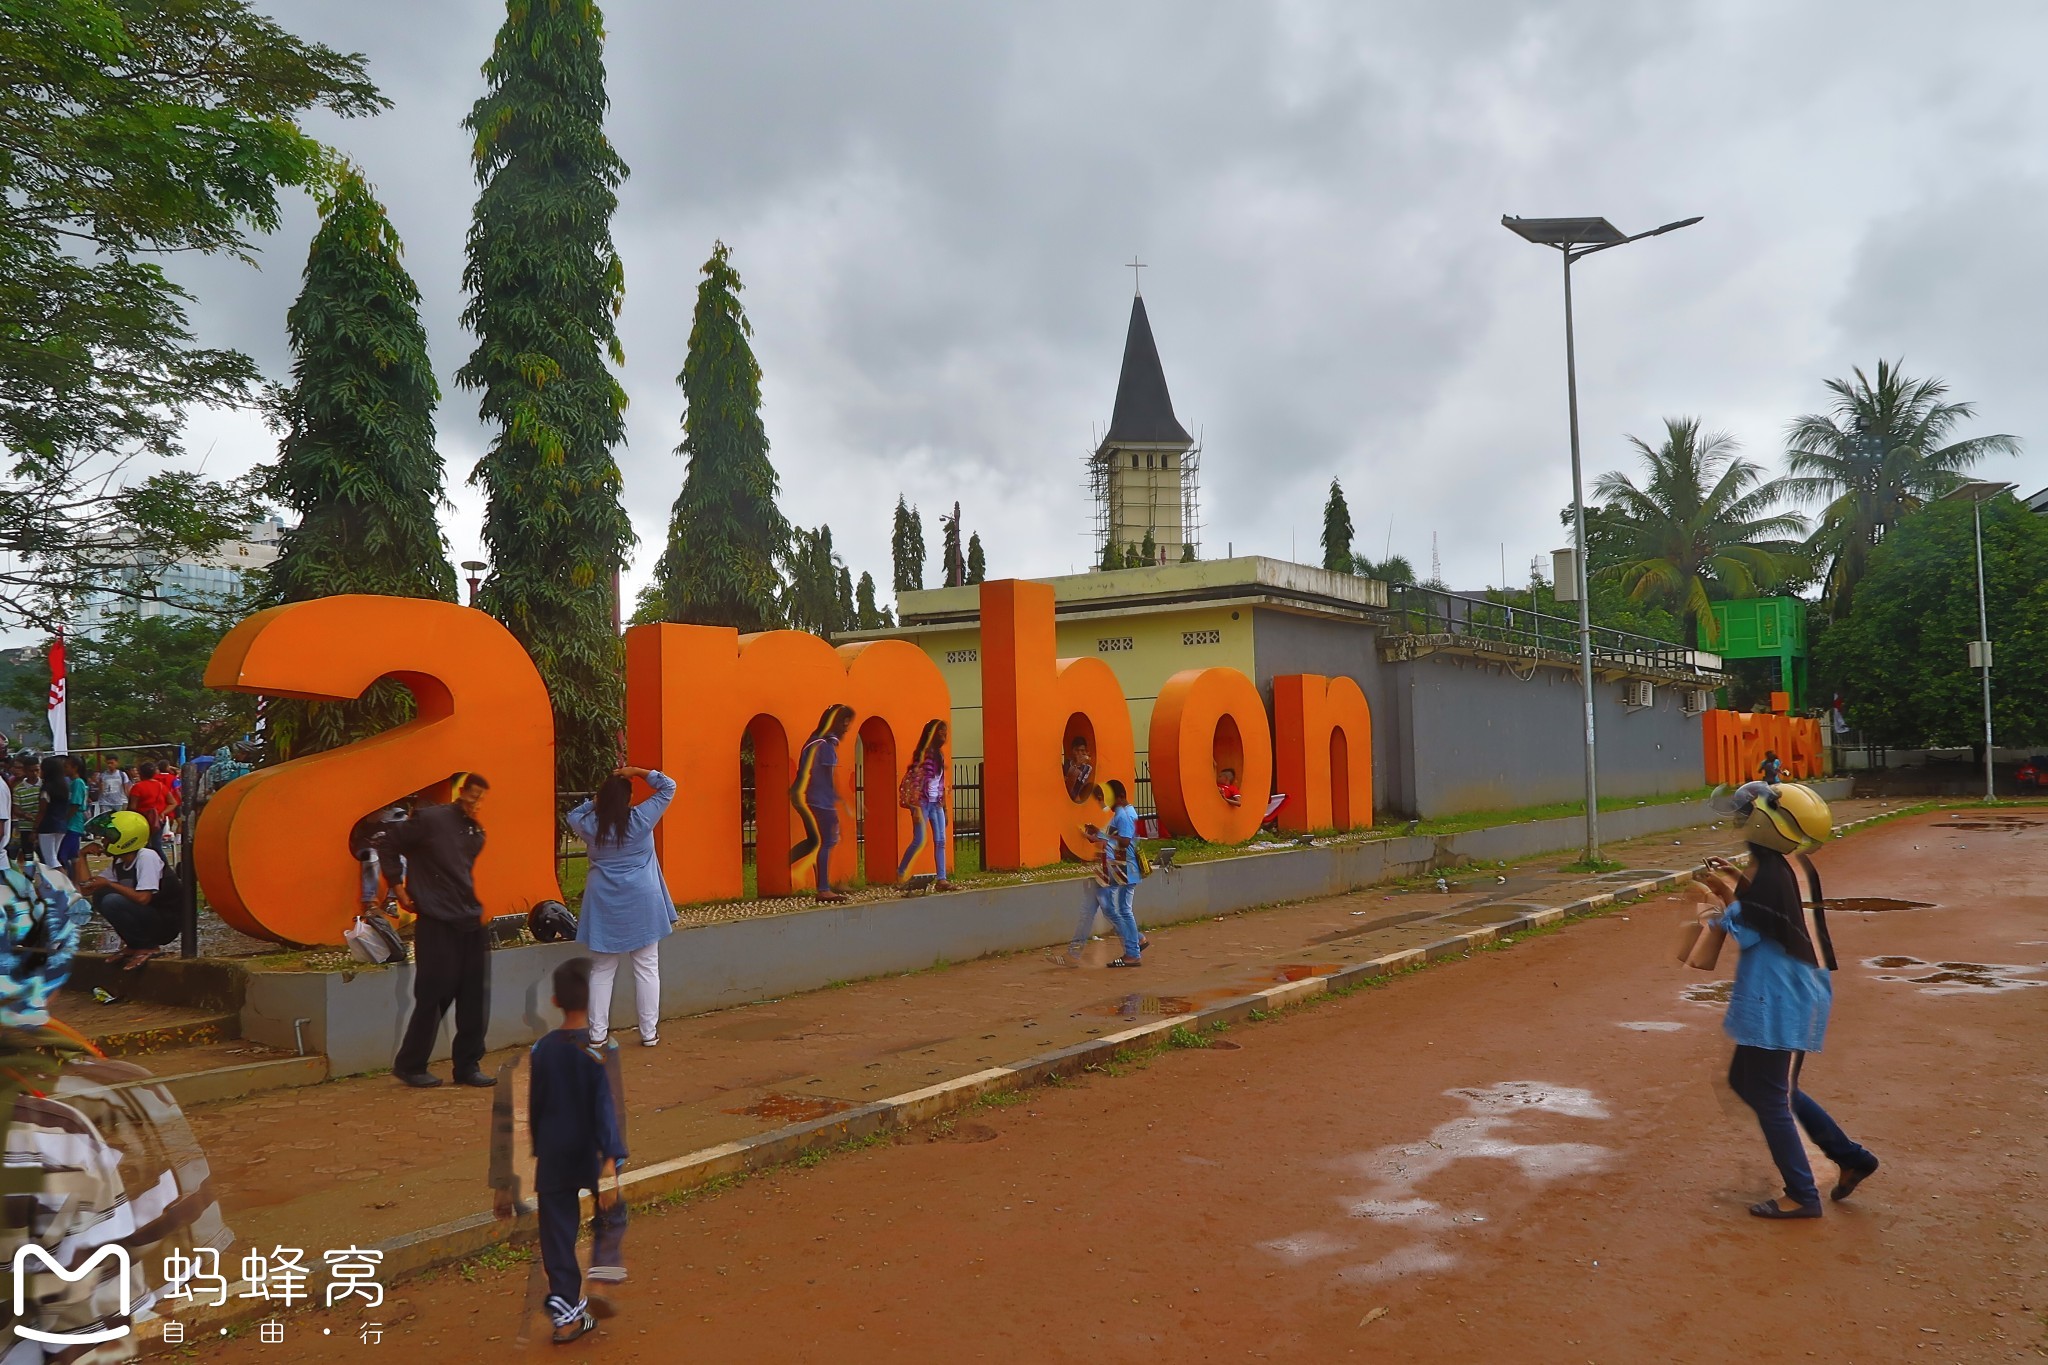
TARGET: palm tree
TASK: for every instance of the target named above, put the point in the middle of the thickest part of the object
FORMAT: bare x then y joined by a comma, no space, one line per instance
1881,454
1700,528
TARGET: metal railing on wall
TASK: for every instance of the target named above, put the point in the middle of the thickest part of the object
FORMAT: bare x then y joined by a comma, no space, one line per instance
1500,628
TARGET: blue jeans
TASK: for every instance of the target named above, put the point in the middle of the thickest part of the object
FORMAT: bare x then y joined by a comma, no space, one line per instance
1768,1082
828,839
1115,902
935,822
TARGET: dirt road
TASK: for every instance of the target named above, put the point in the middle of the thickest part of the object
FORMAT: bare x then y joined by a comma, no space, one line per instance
1523,1156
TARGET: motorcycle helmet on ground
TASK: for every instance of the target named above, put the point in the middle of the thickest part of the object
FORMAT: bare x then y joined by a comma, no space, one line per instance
551,922
1787,818
120,831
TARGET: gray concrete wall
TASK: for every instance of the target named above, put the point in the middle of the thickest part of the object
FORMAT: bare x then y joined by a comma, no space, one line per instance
1453,734
1483,739
356,1017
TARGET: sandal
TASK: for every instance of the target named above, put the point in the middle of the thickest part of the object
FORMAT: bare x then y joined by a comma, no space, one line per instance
1128,962
120,959
831,897
140,956
1850,1179
1770,1208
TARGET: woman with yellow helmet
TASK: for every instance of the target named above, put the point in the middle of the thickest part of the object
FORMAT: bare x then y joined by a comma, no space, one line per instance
1778,1008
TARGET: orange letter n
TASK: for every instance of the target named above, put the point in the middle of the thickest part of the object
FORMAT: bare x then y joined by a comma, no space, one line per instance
1323,753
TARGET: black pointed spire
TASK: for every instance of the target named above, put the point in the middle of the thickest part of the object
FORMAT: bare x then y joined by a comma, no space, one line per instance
1144,410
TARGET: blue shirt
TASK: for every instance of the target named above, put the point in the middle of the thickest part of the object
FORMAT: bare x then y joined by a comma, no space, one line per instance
1777,1002
819,793
570,1111
1123,823
626,904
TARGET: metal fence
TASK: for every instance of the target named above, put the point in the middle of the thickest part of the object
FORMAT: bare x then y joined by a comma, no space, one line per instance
1499,628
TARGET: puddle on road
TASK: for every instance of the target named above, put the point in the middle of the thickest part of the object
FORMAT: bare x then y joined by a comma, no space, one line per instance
2008,824
1632,874
1302,971
781,1108
1707,993
1873,905
1132,1006
1653,1025
1396,1175
1956,978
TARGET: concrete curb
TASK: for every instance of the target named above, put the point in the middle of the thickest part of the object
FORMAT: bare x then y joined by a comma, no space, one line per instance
466,1237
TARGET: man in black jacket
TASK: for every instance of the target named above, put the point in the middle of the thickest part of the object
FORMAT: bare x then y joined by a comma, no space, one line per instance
451,949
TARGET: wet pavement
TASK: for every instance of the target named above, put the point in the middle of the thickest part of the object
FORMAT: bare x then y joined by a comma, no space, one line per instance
395,1160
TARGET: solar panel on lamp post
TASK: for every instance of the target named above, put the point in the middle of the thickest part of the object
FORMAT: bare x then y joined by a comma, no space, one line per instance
1574,238
1975,492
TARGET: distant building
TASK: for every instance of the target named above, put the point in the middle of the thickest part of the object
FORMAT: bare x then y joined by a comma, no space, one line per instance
1145,474
182,587
2039,503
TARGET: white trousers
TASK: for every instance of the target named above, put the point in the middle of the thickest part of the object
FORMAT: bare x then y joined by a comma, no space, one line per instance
604,970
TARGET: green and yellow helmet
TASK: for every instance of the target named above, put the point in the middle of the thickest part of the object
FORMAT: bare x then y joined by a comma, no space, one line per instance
121,831
1789,817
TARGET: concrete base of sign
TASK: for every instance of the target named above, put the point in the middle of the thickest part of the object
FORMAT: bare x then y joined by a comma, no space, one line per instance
355,1017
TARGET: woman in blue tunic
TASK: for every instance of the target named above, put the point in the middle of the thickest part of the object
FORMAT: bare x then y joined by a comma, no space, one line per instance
1778,1007
626,907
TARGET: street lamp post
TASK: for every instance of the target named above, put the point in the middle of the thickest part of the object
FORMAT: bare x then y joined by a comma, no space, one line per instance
1574,238
1977,492
474,568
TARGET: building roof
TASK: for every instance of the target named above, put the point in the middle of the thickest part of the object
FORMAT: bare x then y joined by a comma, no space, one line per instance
1144,410
2039,502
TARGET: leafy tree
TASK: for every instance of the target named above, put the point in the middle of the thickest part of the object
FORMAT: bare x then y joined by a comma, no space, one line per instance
1148,549
811,599
130,129
1392,569
726,533
1900,657
1884,451
545,286
977,561
1337,556
1112,555
136,680
950,554
847,608
1187,552
866,615
357,462
906,548
1700,526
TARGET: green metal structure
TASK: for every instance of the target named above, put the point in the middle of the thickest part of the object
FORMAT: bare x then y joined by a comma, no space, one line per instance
1763,628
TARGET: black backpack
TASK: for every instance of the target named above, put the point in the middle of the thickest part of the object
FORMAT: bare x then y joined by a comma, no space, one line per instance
171,893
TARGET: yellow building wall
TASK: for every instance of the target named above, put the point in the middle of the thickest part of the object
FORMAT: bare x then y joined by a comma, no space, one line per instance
1142,648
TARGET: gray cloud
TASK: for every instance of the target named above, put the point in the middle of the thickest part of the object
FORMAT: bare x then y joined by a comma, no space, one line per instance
929,204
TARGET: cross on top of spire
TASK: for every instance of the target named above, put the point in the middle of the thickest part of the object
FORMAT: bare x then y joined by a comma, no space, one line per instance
1134,265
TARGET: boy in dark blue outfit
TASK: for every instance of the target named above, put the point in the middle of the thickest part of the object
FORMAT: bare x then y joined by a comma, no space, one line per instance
576,1143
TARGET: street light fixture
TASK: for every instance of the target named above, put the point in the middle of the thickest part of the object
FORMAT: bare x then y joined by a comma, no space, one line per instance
1574,238
1975,493
475,569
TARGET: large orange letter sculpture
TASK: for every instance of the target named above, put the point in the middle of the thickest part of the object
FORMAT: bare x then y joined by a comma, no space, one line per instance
694,692
1735,743
273,846
1322,752
1032,705
1204,720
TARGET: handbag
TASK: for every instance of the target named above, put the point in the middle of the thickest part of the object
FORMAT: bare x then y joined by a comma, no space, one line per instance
1699,945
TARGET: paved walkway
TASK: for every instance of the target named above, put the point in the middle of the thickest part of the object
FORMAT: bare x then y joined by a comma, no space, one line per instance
365,1160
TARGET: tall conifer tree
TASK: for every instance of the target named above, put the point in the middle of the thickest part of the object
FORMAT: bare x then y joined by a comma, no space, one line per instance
977,561
357,462
545,285
1337,557
906,548
726,536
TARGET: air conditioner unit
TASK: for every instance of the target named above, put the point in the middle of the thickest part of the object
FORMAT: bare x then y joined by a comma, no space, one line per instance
1697,700
1637,692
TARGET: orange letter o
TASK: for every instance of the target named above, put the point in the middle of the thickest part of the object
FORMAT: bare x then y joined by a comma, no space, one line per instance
1197,712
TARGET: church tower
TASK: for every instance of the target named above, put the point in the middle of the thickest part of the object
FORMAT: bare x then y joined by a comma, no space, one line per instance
1145,474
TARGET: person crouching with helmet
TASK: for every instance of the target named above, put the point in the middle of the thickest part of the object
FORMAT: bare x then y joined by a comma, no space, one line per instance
134,895
1778,1008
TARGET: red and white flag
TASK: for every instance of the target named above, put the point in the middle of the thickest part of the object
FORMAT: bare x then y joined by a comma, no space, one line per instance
60,726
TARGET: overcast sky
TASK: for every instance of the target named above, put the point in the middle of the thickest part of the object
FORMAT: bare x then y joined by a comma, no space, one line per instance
930,205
